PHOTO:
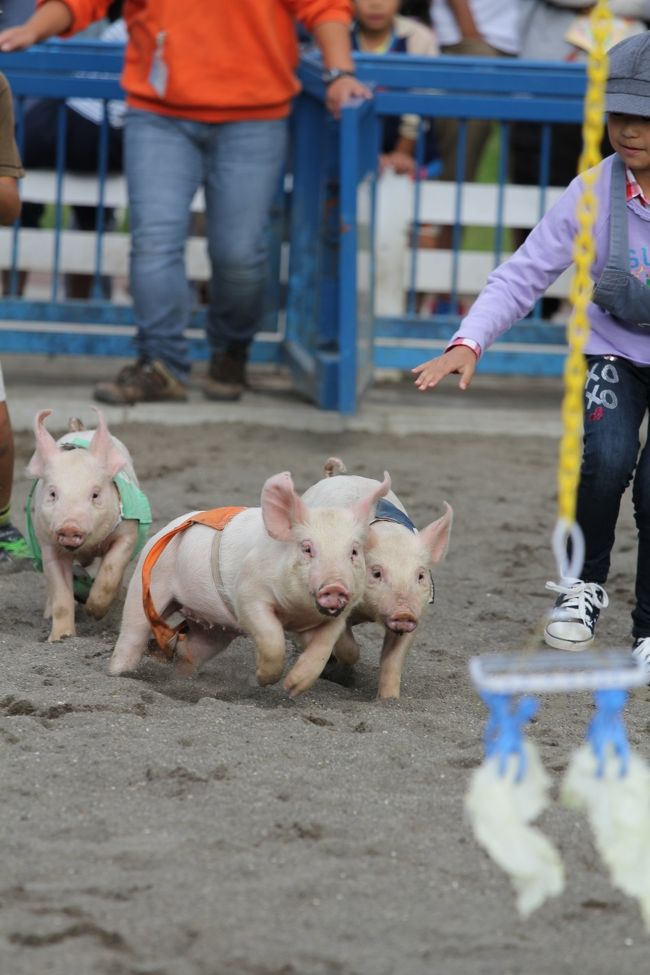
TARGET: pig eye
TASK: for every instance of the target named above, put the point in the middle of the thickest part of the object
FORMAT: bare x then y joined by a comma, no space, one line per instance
307,549
375,572
421,576
52,494
355,552
96,494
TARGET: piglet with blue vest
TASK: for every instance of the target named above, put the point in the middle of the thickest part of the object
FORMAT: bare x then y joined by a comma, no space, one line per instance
85,505
399,583
284,566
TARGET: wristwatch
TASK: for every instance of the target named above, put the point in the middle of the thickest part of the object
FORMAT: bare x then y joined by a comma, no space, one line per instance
333,74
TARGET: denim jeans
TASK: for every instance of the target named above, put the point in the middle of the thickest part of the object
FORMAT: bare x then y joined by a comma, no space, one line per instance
239,165
616,400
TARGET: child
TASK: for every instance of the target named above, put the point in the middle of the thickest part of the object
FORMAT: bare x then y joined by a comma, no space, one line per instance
14,553
379,30
617,389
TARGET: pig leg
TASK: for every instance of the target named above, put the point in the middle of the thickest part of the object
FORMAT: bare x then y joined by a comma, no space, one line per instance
60,599
393,654
111,570
346,650
134,631
262,625
320,644
199,645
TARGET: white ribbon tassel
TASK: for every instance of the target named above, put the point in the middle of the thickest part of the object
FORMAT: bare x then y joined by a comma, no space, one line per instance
500,809
618,809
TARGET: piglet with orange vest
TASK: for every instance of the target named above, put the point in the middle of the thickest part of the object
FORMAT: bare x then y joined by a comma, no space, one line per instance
262,571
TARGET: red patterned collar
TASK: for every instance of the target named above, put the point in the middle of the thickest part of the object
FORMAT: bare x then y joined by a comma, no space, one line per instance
633,189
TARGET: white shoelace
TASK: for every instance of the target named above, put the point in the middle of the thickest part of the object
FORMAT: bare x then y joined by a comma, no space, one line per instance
581,597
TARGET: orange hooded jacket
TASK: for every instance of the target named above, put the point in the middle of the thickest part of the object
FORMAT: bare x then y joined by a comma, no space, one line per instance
212,60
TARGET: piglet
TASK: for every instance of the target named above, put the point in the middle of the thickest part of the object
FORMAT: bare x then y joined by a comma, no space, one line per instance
274,568
76,514
398,571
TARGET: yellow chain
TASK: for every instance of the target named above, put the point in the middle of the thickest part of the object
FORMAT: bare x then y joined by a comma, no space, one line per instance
583,254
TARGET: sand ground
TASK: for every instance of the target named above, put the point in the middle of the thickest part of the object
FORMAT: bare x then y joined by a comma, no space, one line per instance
208,826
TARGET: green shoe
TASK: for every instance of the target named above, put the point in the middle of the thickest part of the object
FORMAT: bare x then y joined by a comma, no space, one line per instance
14,550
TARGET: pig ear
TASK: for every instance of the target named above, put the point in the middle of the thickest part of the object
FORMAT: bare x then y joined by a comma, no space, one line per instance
281,507
436,535
364,509
46,447
103,448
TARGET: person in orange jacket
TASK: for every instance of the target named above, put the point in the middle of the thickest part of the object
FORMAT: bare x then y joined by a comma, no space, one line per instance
209,86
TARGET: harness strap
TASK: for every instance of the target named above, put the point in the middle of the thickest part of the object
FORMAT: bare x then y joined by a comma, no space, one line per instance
619,257
164,634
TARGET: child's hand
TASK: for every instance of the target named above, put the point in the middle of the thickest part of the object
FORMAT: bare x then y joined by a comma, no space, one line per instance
399,162
460,359
17,38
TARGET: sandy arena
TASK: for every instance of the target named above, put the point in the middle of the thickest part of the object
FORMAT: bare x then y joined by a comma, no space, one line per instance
161,826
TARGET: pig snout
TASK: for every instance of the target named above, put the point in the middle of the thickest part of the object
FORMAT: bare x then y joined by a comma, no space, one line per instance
332,599
70,536
402,623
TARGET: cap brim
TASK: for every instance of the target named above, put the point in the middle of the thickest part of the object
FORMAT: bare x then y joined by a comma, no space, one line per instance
627,104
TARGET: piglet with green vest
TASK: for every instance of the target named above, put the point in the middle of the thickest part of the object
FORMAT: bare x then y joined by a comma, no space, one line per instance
85,505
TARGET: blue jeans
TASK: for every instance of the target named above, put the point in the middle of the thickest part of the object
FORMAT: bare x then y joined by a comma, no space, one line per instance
239,165
616,400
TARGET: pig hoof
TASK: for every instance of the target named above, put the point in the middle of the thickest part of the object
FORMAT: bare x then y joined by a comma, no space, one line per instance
296,684
57,637
118,666
269,675
98,604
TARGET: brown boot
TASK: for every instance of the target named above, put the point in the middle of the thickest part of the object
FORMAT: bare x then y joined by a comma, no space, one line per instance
226,378
142,382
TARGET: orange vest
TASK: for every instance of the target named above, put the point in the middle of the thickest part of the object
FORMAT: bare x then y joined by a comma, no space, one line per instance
164,634
212,60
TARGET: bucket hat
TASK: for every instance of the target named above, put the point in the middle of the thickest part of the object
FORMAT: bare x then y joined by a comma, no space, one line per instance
628,84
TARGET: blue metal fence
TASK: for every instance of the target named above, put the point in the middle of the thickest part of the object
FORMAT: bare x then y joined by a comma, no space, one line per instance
322,323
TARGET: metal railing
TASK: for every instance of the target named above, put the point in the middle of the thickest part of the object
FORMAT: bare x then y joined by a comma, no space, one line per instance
322,314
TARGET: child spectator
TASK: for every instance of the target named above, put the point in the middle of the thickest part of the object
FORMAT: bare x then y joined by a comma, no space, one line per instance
14,553
617,390
379,29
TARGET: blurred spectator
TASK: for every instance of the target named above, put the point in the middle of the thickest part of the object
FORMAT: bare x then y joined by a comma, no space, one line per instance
473,28
379,29
83,119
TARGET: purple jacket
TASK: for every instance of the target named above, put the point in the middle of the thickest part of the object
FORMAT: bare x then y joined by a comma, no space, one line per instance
513,288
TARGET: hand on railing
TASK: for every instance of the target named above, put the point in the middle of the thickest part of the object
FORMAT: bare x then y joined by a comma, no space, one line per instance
53,17
398,162
17,38
343,90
